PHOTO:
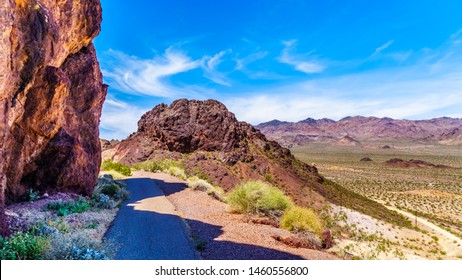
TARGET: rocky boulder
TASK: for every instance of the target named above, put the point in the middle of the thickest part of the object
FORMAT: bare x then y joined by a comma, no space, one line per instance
51,96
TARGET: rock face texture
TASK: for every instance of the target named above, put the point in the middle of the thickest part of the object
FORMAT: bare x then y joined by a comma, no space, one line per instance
212,143
51,95
443,130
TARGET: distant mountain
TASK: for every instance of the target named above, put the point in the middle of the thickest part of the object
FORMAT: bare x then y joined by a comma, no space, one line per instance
453,137
443,130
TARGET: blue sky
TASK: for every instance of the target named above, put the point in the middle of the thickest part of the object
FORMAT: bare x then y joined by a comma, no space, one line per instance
286,60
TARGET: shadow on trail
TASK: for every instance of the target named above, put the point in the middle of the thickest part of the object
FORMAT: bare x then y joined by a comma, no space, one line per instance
143,234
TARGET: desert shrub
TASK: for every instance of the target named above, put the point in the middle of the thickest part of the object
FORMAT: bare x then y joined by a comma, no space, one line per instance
105,202
42,229
114,174
111,165
177,172
257,197
151,166
108,186
201,185
64,208
22,246
159,166
198,172
77,247
32,195
301,219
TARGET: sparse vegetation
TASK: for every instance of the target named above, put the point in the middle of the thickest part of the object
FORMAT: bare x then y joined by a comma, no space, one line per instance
258,197
120,168
177,172
301,220
23,246
65,227
433,193
64,208
159,166
172,167
77,247
198,184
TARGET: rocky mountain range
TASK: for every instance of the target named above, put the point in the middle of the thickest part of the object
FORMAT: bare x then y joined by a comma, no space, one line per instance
52,94
353,130
212,142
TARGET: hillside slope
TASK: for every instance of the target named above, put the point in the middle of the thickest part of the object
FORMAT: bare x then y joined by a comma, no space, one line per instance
212,142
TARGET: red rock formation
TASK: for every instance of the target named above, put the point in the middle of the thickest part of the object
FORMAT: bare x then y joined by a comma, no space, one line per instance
212,143
51,95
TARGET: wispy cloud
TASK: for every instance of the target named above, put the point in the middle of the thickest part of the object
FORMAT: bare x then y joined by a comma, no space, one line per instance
133,75
305,63
241,63
210,63
119,119
382,48
431,86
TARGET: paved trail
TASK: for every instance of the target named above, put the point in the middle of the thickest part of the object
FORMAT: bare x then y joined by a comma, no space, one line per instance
147,227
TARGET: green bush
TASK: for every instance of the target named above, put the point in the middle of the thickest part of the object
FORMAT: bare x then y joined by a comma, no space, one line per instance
108,193
64,208
177,172
23,246
202,185
122,169
257,197
159,166
301,219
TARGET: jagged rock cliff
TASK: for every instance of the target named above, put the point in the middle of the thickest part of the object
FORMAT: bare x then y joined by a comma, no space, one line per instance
51,95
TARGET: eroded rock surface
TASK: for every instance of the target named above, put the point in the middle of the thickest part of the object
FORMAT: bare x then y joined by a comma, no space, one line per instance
51,95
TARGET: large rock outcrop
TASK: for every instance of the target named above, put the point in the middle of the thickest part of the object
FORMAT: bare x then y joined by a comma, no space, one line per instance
212,143
51,95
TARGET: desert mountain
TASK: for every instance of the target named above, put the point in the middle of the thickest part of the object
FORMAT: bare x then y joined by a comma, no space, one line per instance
211,141
453,137
443,130
51,96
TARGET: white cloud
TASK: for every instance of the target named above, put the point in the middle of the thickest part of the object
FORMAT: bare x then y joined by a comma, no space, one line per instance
412,92
303,63
241,63
210,64
133,75
119,119
382,47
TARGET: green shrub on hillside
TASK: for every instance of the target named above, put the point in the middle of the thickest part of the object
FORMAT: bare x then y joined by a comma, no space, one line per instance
301,219
198,184
23,246
158,166
111,165
177,172
257,197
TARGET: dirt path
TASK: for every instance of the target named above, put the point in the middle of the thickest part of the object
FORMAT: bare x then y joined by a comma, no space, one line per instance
221,235
448,241
147,226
